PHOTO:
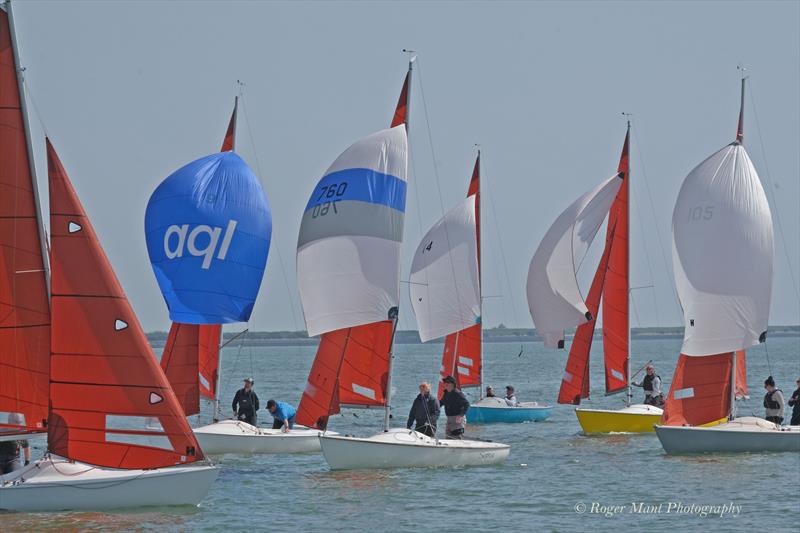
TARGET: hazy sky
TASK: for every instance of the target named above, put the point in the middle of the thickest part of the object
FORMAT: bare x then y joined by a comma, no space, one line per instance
130,91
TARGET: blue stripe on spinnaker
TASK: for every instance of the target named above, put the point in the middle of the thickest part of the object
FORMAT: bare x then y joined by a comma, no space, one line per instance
360,184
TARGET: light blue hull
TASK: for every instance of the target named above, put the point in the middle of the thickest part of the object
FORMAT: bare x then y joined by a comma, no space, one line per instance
508,415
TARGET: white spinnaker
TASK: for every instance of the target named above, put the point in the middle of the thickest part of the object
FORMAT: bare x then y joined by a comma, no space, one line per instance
554,297
444,285
348,261
722,254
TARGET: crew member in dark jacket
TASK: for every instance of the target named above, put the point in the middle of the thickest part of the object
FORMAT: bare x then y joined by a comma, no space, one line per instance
773,402
794,402
424,411
455,405
245,403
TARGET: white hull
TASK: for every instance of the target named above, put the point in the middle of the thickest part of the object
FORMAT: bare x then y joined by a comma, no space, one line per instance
404,448
746,434
233,436
57,484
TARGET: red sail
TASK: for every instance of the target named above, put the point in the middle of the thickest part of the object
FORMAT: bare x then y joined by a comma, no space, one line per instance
104,382
230,136
700,391
575,383
24,306
351,368
180,365
466,365
741,375
616,286
352,364
401,111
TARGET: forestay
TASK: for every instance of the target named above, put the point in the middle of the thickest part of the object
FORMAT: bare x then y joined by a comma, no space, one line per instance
444,284
348,250
554,297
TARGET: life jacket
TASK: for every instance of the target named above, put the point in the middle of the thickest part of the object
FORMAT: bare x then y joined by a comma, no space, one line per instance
647,383
769,403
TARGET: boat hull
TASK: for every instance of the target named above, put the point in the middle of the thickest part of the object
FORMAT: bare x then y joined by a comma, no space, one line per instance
57,484
235,437
729,438
493,414
401,448
637,418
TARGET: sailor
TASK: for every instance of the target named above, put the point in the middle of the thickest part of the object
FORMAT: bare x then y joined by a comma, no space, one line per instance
652,387
490,392
773,402
794,402
245,403
455,405
283,415
510,399
9,450
424,411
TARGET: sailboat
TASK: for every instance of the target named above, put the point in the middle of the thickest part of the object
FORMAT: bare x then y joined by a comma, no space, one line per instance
722,260
556,303
101,379
445,291
191,361
348,269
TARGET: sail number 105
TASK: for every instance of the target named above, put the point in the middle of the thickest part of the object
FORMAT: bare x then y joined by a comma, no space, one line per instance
332,191
701,213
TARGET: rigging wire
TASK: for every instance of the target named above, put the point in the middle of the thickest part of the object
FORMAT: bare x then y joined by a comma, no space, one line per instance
771,189
661,247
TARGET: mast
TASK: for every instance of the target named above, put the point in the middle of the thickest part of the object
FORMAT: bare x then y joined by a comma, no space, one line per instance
739,140
394,312
627,185
24,107
480,276
740,126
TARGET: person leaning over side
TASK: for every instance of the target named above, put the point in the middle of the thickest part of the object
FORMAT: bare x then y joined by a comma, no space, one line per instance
794,403
424,411
283,415
455,405
773,402
245,403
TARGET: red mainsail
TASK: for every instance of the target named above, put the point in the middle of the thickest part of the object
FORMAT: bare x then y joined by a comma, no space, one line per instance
24,305
461,357
611,284
192,379
107,391
616,286
741,375
352,364
700,390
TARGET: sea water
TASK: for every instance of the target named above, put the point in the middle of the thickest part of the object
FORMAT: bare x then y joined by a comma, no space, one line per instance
555,479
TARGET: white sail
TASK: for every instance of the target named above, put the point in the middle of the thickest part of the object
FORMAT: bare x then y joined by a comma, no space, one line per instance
554,298
722,251
348,250
445,288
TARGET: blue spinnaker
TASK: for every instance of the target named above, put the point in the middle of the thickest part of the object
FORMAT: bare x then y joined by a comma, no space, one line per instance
208,228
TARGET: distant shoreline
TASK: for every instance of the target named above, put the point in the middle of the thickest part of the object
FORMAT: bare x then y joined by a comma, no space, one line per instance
498,334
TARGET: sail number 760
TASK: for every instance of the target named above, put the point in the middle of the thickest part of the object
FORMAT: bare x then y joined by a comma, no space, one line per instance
332,191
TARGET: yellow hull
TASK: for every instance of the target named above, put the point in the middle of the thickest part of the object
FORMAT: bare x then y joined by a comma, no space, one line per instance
604,421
